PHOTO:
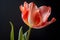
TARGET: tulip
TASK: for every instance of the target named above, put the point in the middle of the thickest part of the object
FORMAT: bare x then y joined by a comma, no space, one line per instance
36,17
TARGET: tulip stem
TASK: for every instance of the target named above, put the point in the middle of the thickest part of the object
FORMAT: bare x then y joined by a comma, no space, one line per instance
28,33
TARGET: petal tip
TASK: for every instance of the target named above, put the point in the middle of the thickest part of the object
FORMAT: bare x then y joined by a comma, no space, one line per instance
53,19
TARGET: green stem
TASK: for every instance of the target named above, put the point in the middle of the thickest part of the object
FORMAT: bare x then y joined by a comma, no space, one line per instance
28,33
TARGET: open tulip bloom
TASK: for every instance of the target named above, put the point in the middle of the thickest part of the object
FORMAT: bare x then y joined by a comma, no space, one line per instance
35,17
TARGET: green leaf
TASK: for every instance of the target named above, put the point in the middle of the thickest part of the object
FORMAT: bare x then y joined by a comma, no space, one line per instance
28,35
25,35
21,37
12,31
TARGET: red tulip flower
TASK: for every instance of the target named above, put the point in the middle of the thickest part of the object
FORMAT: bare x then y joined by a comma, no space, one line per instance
36,17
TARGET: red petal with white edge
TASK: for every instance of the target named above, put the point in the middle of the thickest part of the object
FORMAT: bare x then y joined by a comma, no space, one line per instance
46,24
45,12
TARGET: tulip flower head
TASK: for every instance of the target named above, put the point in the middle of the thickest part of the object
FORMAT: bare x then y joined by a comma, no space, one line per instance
36,17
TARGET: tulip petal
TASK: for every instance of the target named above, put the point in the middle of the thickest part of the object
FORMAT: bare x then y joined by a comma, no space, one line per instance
45,24
24,10
26,6
25,18
21,8
34,17
30,15
45,12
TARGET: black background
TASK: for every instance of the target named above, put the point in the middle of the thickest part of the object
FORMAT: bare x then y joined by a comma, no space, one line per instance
9,11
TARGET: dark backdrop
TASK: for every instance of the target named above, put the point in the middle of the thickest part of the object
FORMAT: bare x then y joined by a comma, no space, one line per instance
9,11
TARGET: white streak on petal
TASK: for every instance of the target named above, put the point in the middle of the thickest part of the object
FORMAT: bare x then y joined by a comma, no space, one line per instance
45,12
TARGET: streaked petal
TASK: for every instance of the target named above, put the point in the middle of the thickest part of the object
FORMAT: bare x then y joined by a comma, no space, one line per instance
45,24
34,17
24,10
25,18
45,12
